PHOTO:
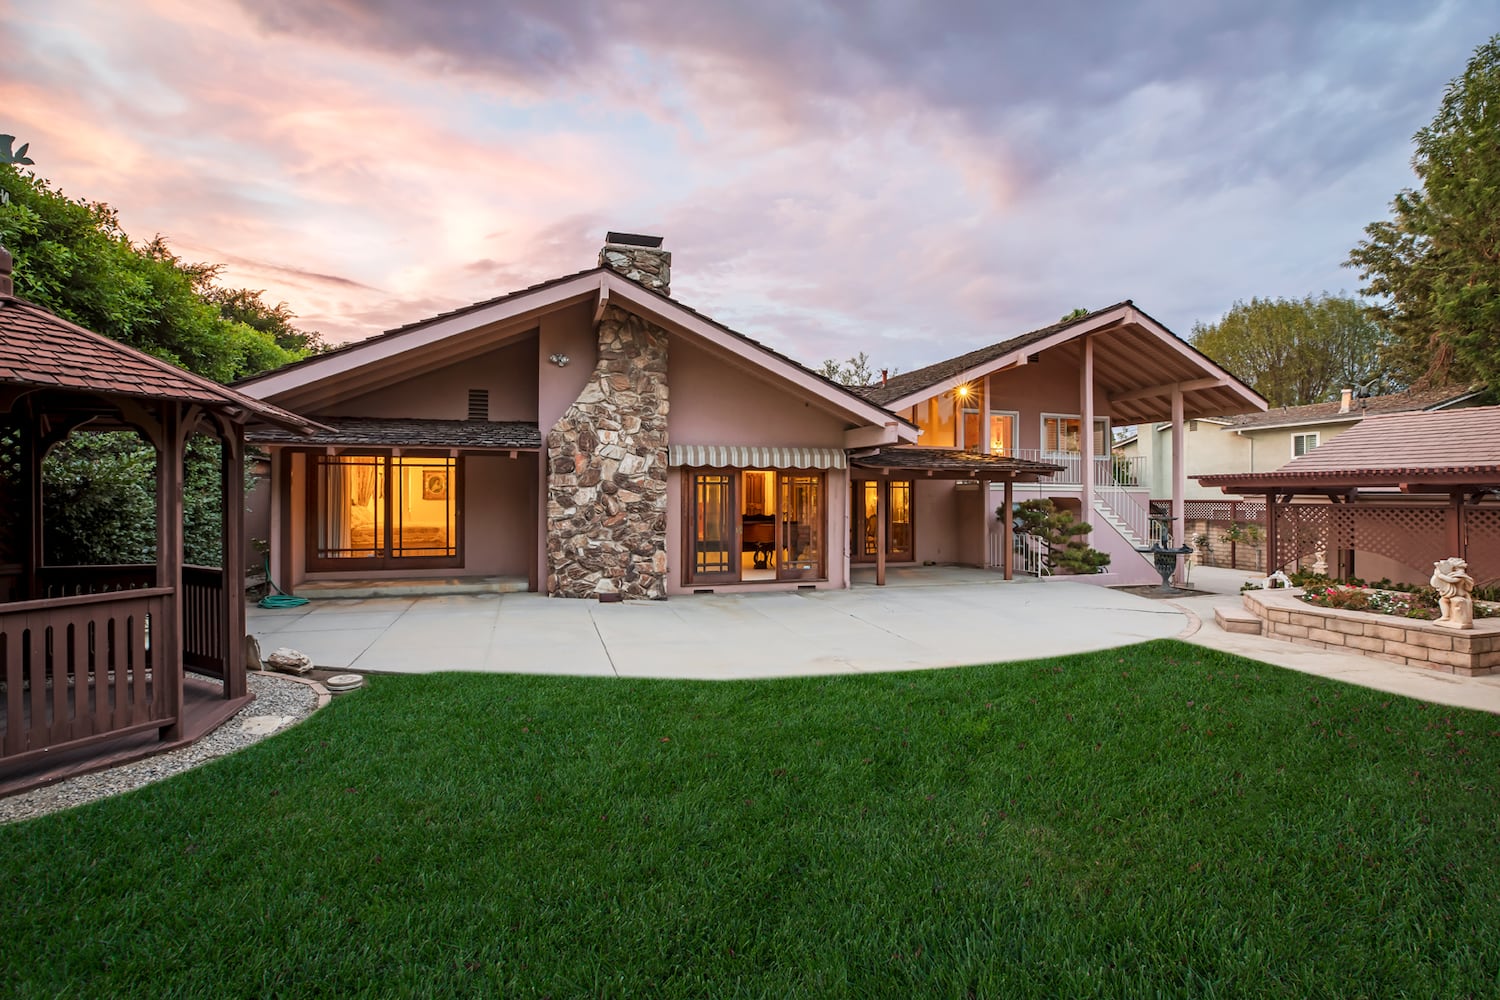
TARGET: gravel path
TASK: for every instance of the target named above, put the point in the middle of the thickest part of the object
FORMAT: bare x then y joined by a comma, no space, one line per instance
279,702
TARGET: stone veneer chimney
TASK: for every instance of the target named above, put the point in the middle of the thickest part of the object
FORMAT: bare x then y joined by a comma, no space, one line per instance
607,455
639,258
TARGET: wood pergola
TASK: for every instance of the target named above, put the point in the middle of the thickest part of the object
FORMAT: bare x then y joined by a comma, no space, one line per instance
95,660
945,463
1411,486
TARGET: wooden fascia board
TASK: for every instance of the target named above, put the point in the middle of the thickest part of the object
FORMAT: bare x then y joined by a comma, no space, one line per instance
1012,359
668,313
425,336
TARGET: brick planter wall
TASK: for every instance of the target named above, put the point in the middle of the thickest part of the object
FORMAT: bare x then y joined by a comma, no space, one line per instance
1470,652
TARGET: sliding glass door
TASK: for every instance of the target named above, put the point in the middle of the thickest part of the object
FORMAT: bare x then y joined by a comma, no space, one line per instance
383,511
900,540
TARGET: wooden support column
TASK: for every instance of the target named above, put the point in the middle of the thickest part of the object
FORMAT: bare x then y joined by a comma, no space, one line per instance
1086,431
166,652
232,482
1008,534
1272,563
1455,525
1179,479
31,464
880,515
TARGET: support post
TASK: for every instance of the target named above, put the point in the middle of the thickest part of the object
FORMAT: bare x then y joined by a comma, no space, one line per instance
232,524
1455,525
880,514
1008,534
166,653
1272,559
1086,432
1179,479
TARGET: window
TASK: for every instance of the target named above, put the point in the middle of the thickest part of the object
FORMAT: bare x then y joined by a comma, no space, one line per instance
1304,443
1003,433
953,419
898,517
1062,433
384,511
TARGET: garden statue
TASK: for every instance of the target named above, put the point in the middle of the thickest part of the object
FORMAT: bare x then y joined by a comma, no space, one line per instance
1453,585
1275,581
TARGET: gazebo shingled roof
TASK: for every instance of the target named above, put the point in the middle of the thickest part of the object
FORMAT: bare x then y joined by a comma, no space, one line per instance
39,348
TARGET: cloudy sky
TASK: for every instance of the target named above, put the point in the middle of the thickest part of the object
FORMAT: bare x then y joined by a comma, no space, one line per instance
910,179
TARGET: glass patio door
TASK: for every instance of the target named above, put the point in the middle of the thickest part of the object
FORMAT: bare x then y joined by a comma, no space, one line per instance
899,530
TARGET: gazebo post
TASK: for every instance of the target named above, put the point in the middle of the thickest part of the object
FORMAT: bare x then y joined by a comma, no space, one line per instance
166,655
1008,534
31,459
232,525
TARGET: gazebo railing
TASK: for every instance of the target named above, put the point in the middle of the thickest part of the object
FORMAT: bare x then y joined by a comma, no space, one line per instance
204,646
79,669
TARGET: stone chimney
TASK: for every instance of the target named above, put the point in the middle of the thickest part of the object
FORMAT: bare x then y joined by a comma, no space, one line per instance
1346,401
639,258
7,287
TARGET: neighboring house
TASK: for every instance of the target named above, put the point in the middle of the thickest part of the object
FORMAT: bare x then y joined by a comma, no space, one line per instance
1263,442
594,437
1388,497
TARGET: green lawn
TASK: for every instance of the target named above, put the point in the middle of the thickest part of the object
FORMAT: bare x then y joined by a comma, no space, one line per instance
1156,820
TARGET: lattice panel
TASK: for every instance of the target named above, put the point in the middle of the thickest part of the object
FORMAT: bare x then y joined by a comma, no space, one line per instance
1415,537
12,490
1482,529
1301,533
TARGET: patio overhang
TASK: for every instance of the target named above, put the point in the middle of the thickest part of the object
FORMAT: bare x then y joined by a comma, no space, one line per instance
945,463
343,433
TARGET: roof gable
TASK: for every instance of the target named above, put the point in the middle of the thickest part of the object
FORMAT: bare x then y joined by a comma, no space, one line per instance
1139,363
520,310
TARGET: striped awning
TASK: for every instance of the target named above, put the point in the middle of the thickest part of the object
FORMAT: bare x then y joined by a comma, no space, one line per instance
740,456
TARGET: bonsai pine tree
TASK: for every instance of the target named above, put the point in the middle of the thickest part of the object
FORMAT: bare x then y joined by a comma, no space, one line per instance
1062,535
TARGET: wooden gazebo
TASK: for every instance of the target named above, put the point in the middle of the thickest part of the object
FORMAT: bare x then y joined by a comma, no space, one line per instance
94,660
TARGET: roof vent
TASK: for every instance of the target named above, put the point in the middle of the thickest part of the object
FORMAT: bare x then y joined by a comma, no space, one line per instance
479,404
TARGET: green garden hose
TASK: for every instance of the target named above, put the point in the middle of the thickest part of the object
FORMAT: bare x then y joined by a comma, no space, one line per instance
280,599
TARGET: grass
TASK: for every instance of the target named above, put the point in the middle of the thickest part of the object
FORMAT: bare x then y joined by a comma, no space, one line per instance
1155,820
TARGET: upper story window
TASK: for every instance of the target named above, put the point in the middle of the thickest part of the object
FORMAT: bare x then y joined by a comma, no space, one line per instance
954,419
1304,443
1062,433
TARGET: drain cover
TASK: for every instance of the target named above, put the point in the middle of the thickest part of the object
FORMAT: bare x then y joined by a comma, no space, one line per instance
339,683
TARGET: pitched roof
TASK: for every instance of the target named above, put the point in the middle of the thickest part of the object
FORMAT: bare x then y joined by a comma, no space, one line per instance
40,348
273,383
1138,365
499,435
1439,447
1398,402
906,383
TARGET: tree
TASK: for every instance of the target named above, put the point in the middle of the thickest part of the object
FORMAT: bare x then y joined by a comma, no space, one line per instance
855,371
1299,351
73,257
1062,536
1435,263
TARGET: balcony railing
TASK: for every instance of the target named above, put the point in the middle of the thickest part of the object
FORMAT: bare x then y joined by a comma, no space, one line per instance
1125,473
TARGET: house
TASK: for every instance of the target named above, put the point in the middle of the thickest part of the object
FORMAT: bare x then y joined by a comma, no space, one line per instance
1263,442
1388,497
94,660
591,436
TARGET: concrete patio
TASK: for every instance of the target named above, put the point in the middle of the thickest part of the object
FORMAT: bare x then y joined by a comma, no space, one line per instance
925,618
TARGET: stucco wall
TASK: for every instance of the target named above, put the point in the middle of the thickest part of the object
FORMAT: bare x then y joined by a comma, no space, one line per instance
715,402
499,526
509,373
1048,385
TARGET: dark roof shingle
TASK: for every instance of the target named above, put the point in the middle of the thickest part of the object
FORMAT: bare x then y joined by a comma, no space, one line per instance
499,435
1397,402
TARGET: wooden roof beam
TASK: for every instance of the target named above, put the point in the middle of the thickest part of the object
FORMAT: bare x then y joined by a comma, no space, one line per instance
1165,389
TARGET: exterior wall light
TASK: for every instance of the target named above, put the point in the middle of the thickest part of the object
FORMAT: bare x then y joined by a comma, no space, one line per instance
560,360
